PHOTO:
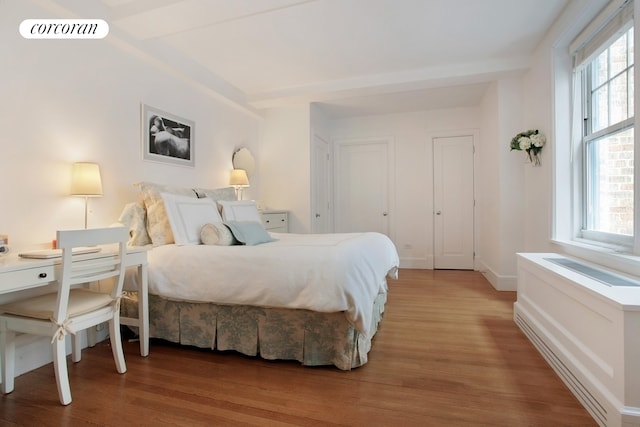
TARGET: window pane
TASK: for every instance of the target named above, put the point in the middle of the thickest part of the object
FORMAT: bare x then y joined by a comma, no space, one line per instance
600,108
618,56
630,97
618,106
630,41
610,183
599,69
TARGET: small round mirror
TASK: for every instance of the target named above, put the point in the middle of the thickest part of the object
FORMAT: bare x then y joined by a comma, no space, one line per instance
243,159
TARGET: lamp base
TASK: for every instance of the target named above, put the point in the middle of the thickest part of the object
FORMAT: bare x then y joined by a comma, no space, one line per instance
86,209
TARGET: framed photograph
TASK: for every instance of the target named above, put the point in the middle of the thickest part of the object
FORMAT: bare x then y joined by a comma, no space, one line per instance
167,138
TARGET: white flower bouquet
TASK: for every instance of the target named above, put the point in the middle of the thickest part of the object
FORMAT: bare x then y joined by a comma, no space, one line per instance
530,141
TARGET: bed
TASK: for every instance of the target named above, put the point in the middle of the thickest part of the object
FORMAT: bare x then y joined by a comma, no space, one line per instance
224,283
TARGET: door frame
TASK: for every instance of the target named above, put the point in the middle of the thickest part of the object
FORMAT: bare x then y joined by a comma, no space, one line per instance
475,134
391,178
327,184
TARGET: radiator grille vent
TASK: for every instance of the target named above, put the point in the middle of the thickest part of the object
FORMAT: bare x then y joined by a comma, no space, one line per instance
588,400
602,276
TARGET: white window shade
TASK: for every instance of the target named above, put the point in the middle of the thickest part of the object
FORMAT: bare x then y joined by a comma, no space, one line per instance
611,22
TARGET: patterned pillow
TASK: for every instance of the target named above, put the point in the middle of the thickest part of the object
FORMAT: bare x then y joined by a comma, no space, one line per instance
217,234
158,225
134,217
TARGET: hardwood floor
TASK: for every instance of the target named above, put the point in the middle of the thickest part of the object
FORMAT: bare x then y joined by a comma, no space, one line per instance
447,353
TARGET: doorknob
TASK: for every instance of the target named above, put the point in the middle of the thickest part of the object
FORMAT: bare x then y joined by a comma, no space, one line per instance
438,212
384,214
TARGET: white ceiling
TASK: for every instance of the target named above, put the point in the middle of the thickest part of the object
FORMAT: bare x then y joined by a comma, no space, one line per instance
354,56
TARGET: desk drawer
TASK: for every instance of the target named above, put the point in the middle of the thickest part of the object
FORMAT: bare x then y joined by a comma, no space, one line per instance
26,278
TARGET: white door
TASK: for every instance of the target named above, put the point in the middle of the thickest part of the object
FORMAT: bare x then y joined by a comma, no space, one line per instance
320,185
362,185
453,202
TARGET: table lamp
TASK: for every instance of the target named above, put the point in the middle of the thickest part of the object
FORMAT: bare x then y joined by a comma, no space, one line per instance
239,181
86,182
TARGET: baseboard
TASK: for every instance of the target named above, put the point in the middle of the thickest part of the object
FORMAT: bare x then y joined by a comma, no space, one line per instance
417,263
500,283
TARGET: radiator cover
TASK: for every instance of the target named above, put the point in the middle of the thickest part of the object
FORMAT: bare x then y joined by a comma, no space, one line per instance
588,331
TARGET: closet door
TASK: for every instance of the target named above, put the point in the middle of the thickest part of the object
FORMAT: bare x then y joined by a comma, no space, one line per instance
453,218
363,169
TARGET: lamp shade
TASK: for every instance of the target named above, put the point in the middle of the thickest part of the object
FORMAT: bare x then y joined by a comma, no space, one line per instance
239,178
85,180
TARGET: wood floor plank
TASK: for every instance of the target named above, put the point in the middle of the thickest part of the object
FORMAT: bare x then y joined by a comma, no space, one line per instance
447,353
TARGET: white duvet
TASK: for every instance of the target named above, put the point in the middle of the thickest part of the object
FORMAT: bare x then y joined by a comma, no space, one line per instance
319,272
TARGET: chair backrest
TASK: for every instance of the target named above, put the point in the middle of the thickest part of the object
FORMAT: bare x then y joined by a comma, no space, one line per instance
85,269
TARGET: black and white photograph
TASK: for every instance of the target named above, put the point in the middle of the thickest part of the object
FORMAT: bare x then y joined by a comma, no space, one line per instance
167,138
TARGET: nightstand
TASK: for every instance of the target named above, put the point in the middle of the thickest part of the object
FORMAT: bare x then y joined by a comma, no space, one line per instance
275,221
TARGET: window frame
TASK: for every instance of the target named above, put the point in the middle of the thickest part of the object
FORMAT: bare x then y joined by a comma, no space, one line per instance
617,242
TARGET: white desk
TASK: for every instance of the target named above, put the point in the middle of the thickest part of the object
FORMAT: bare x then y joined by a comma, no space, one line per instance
17,274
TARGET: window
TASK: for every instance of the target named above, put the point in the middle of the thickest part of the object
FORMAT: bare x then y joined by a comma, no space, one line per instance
607,141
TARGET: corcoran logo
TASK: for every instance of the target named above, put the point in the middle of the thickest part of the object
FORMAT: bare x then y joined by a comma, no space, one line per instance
64,29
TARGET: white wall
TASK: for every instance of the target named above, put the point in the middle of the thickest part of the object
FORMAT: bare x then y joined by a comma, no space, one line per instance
538,113
79,100
488,197
413,196
285,164
499,204
510,183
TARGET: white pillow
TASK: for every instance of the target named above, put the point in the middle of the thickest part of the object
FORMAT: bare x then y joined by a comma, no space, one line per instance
241,210
187,215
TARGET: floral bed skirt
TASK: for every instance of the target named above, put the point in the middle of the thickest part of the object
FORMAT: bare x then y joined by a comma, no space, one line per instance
309,337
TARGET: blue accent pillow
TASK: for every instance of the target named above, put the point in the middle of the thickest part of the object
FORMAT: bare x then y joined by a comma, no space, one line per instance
250,233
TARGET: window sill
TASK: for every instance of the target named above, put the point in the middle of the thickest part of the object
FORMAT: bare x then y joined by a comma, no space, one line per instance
610,256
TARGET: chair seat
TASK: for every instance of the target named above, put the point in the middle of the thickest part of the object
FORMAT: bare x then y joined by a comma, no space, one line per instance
81,301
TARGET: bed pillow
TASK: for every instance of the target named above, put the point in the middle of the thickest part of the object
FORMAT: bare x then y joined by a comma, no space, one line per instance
241,210
217,234
187,215
227,193
249,233
158,225
134,217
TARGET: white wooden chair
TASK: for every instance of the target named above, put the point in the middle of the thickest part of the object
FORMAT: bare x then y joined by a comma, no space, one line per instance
72,308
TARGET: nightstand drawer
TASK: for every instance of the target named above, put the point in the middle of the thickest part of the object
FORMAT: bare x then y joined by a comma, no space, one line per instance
277,222
27,278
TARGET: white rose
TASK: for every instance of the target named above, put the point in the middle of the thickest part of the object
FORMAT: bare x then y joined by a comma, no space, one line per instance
525,143
538,140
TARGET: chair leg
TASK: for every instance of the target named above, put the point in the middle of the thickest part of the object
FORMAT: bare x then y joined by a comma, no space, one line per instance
8,356
60,368
91,336
116,343
76,348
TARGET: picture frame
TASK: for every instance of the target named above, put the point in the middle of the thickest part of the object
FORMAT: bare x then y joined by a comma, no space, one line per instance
167,138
